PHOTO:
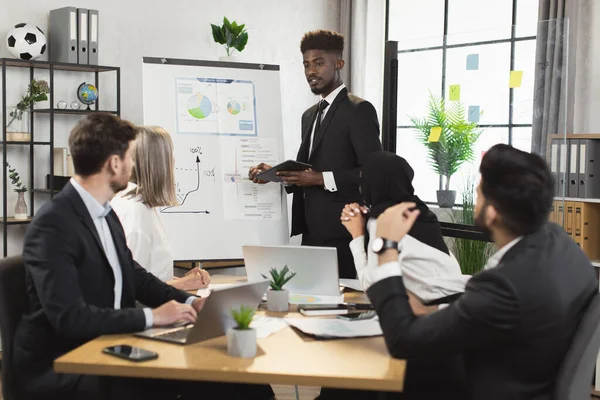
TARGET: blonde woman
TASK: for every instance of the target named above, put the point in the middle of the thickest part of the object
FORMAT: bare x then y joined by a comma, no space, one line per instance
136,206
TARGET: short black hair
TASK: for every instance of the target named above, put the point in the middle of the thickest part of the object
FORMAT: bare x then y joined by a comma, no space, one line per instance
97,137
519,185
322,40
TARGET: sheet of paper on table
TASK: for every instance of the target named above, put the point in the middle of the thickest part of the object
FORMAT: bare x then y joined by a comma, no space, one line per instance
336,328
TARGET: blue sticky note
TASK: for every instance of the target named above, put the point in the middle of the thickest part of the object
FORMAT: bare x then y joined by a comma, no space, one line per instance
474,113
472,62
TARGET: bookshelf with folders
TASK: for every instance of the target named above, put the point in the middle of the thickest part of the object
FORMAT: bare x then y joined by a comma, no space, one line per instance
575,164
45,116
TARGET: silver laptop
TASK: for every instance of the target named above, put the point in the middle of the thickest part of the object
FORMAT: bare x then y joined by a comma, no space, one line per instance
316,267
215,317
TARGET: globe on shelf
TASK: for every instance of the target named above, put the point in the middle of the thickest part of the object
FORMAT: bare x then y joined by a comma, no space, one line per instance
87,94
26,42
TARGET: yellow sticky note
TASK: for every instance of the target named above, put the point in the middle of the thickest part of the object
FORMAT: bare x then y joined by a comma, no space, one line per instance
454,92
515,79
434,134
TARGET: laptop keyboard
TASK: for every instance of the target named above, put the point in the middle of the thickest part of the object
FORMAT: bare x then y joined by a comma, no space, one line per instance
178,334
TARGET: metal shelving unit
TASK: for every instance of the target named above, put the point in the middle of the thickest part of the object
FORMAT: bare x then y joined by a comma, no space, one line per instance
6,64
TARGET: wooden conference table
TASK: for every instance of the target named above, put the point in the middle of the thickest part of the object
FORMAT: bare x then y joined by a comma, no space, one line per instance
284,358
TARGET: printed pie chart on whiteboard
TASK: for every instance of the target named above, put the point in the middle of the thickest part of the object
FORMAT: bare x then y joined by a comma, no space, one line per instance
199,106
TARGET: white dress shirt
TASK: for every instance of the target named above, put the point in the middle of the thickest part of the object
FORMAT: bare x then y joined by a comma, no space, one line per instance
328,178
495,259
145,235
428,272
98,212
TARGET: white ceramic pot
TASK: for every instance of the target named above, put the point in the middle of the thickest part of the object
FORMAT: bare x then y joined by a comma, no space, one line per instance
228,58
241,342
278,300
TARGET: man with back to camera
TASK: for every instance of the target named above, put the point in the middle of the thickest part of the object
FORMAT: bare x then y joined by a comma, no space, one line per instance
337,133
516,319
82,281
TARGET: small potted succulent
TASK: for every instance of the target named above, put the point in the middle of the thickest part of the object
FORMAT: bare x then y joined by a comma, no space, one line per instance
241,340
232,36
278,298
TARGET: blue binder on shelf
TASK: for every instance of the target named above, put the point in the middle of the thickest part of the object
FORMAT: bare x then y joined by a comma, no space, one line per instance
82,36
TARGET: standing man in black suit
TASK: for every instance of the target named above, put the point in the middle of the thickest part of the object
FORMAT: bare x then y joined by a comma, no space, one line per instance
516,319
82,281
337,133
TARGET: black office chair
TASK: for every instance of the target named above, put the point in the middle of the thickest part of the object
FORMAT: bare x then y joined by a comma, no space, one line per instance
575,375
12,305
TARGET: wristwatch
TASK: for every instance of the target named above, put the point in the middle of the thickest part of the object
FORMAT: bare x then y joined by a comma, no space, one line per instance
380,245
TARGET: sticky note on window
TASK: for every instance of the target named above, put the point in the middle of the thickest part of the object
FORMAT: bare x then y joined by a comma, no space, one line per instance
472,62
474,114
515,79
454,92
434,134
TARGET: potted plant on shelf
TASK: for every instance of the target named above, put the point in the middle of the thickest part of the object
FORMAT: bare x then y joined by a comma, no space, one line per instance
278,298
454,146
20,188
17,128
241,340
232,36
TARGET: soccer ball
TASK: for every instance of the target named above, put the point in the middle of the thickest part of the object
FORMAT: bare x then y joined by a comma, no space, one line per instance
26,42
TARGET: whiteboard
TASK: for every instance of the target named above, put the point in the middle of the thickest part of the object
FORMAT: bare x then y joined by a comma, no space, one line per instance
223,117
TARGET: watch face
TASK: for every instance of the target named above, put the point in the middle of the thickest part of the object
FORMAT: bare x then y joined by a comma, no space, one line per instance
377,245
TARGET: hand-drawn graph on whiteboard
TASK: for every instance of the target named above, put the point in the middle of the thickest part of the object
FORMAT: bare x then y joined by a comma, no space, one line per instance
192,181
215,106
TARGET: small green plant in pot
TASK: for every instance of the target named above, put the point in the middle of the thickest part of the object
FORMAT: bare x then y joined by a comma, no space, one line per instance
454,147
278,298
241,340
232,36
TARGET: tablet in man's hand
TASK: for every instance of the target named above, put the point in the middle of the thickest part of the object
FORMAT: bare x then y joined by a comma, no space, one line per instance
270,175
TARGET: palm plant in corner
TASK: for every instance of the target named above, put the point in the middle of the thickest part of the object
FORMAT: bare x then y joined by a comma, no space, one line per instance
278,298
231,35
241,340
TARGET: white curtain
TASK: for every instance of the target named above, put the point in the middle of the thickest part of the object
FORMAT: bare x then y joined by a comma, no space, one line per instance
362,22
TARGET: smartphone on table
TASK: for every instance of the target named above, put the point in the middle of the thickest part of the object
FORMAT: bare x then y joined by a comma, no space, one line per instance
130,353
357,316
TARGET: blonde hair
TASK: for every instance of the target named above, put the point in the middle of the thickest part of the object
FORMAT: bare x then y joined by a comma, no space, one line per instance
154,167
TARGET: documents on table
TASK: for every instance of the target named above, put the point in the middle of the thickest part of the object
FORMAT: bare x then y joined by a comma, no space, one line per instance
336,328
266,326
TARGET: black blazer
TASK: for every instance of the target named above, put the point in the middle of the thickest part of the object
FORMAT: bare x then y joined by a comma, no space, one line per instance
349,132
513,324
70,291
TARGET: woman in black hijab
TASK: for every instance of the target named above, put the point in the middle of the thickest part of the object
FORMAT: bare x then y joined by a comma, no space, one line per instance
430,272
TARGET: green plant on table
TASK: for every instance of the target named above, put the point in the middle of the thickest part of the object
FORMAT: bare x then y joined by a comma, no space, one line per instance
280,278
243,317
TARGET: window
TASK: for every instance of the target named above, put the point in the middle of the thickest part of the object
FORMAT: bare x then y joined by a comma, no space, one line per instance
472,43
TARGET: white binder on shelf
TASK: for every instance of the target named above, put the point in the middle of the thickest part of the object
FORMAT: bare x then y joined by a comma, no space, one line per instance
82,35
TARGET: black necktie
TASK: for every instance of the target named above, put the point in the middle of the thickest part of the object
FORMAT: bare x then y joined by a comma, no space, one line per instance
323,104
